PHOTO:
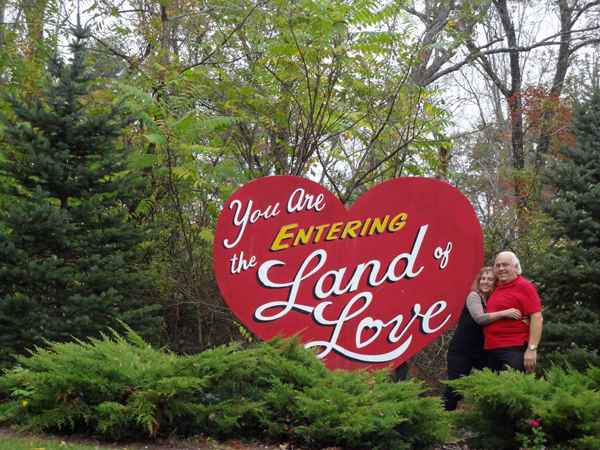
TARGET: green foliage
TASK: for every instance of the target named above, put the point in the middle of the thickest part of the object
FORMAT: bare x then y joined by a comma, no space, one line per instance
326,89
122,387
537,439
71,261
567,276
180,149
499,409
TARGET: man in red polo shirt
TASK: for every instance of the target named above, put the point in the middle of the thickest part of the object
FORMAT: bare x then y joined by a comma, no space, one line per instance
512,343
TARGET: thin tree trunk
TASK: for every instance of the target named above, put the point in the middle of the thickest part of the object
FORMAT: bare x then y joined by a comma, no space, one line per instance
445,153
164,39
2,16
562,66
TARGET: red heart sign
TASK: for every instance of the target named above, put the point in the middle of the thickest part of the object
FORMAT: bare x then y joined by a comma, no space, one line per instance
368,287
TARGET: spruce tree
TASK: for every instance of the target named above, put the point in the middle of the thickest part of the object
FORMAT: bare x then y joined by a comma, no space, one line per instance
569,276
70,260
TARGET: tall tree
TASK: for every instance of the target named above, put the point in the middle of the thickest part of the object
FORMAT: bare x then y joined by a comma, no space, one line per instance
70,256
518,45
321,94
568,276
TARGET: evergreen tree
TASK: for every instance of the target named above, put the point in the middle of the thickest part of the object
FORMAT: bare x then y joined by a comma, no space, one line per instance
70,260
569,276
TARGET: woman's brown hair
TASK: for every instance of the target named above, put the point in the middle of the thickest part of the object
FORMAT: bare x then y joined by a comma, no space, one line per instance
475,287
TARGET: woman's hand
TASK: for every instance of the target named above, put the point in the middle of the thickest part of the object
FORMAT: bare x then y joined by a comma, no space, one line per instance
512,314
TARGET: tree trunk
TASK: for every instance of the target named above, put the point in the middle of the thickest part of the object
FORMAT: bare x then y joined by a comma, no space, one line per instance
164,39
2,16
445,153
562,66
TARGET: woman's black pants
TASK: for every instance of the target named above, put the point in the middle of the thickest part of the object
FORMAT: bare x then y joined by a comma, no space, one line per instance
458,366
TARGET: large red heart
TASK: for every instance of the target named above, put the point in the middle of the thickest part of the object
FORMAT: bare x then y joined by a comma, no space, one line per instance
368,287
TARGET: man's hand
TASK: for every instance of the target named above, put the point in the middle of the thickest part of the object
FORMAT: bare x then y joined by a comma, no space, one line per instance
535,333
530,360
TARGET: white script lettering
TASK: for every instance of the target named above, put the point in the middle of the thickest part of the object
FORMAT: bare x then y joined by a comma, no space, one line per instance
355,307
304,201
242,265
248,217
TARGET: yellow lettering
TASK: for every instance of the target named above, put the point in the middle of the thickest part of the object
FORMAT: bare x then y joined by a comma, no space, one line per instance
335,228
302,237
319,229
378,226
365,227
400,219
350,229
283,235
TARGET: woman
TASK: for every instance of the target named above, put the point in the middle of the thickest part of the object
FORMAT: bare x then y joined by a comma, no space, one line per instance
466,347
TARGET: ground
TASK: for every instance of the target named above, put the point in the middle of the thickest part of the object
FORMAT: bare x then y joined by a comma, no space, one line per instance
195,443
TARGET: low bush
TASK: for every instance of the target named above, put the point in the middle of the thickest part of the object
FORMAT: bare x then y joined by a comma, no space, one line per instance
121,388
512,410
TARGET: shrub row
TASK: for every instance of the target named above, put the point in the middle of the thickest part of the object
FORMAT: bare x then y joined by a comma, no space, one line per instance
121,388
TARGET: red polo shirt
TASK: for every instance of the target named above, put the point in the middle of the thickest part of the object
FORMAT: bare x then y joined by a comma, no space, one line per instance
519,294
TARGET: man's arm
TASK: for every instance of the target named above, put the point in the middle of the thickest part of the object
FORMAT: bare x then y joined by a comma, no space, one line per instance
535,334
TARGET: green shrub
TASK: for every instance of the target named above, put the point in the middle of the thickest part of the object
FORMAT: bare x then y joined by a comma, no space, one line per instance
356,410
499,409
120,387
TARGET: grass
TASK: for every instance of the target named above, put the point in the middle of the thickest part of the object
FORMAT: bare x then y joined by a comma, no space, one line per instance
56,443
31,443
39,444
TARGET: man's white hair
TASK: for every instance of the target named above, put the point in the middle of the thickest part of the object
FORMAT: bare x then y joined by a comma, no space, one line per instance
515,260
